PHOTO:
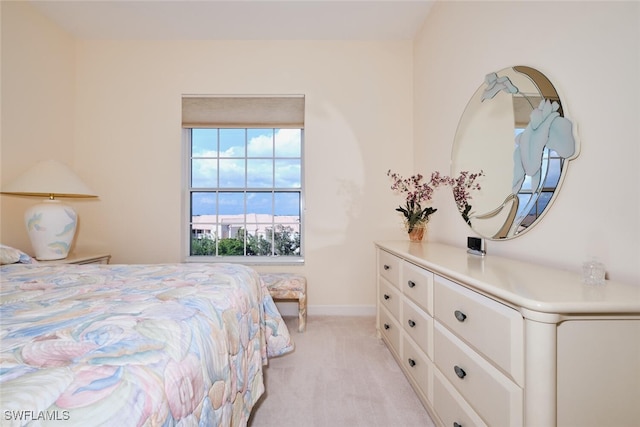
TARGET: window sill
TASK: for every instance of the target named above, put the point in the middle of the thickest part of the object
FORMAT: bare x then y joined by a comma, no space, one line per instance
249,260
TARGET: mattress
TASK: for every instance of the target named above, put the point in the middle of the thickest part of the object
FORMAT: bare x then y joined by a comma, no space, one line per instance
134,345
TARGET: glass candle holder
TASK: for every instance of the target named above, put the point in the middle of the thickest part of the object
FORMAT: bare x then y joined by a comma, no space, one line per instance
593,272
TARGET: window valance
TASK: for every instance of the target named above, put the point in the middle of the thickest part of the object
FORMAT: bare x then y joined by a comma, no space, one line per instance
284,111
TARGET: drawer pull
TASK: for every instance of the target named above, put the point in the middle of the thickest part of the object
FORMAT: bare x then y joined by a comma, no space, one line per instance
459,372
457,424
386,326
411,323
386,296
460,315
411,284
386,267
412,362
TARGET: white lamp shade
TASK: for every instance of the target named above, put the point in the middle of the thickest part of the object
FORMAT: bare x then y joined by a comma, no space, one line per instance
49,178
51,225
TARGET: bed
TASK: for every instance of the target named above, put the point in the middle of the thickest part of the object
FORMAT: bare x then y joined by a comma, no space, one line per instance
134,345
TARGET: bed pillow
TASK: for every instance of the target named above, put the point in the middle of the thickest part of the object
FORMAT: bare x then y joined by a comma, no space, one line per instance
9,255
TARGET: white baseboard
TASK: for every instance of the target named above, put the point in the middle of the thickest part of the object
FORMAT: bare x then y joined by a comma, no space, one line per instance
291,309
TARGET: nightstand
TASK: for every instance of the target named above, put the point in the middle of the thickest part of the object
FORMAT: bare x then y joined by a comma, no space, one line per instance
81,258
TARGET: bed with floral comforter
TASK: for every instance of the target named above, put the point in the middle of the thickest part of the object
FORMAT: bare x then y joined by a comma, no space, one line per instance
134,345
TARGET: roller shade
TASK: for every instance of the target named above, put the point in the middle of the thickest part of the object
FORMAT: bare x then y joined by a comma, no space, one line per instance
243,111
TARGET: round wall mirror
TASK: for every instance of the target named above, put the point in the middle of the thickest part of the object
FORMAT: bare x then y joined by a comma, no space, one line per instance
515,131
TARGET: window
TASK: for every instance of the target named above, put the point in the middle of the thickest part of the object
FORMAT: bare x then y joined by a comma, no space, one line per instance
244,193
533,201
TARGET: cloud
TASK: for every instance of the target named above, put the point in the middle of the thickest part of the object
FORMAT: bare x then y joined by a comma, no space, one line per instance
288,143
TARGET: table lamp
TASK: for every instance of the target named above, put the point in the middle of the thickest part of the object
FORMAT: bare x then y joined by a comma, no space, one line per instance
51,225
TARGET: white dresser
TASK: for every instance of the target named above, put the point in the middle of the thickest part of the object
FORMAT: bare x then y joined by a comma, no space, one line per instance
498,342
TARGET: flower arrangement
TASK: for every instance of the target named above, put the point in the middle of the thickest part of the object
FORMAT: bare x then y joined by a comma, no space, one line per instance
418,191
462,187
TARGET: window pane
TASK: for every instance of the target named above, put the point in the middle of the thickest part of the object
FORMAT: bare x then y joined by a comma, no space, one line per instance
201,244
288,173
230,247
231,204
259,240
288,143
553,173
204,142
523,200
287,204
287,240
203,204
204,173
260,203
259,142
543,201
259,173
231,173
232,142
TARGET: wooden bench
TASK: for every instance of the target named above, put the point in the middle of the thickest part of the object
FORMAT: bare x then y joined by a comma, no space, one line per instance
289,286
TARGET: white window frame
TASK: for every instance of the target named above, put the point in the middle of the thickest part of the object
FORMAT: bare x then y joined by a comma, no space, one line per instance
187,219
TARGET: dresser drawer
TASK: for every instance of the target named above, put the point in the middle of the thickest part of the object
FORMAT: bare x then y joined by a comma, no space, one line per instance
497,399
389,297
418,366
419,325
390,330
417,284
389,267
452,408
492,328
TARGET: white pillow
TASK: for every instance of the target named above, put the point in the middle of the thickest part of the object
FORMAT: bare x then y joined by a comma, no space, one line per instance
9,255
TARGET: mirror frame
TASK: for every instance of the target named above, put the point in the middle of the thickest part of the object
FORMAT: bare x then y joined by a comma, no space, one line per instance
514,129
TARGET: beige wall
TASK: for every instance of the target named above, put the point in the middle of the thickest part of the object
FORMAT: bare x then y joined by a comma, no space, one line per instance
38,89
113,110
127,145
128,141
591,52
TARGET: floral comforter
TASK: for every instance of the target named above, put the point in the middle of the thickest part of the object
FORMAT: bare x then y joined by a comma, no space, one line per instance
134,345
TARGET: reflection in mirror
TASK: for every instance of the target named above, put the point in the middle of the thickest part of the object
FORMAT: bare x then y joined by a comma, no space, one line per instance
515,130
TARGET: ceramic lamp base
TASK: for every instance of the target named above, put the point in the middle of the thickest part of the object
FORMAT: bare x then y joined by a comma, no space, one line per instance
51,226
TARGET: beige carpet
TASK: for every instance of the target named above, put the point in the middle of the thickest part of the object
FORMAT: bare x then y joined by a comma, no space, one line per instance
340,374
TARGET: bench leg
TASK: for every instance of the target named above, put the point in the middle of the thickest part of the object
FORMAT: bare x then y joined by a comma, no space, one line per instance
302,313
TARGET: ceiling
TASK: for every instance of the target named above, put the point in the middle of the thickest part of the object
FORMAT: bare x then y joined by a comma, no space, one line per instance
238,20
